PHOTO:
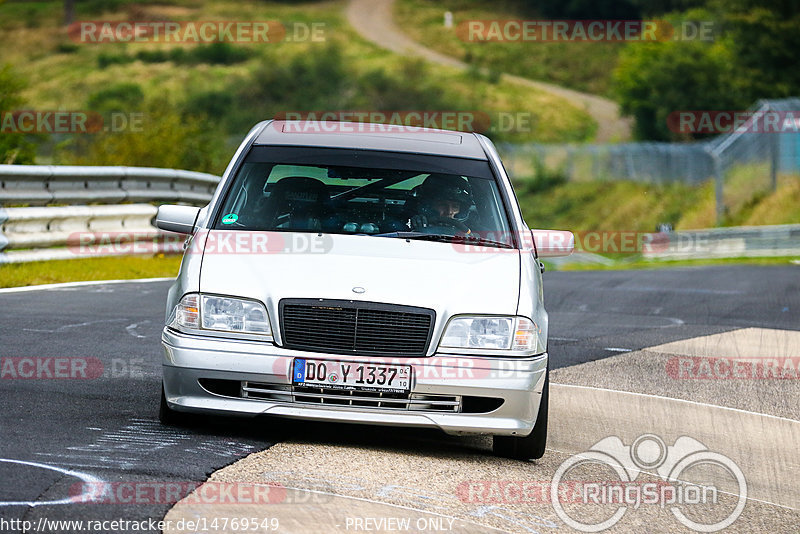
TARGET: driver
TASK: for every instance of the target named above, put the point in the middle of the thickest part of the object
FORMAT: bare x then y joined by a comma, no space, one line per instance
443,200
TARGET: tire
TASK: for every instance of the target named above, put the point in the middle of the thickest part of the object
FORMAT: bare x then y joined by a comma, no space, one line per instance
167,415
532,446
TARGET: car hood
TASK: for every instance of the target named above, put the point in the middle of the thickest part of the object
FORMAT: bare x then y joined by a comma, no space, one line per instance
448,278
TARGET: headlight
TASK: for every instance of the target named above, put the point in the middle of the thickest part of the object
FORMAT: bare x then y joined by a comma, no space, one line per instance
478,333
514,334
221,314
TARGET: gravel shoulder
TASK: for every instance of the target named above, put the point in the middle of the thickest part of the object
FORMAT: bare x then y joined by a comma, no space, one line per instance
339,477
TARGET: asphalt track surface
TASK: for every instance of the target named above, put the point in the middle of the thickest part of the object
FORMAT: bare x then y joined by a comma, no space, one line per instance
56,432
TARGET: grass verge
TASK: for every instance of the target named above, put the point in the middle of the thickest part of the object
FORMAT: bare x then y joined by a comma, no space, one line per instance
78,270
133,267
667,264
551,202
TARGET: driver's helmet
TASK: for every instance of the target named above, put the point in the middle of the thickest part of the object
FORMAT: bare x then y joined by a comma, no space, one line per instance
439,189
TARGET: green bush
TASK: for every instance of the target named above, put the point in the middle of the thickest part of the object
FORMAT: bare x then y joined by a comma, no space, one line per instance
214,54
210,104
221,53
656,79
165,139
67,48
312,82
99,7
751,57
106,60
123,96
154,56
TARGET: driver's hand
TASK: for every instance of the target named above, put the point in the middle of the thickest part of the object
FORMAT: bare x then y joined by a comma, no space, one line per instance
419,221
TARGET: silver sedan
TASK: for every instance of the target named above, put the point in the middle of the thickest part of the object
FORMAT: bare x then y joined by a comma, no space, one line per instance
363,273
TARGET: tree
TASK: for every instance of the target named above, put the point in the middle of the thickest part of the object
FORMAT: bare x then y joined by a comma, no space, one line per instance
752,57
764,40
14,147
655,79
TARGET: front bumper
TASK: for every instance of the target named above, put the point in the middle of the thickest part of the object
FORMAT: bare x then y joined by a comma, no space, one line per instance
518,382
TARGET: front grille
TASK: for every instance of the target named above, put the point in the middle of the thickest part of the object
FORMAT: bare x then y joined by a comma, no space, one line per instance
356,399
351,327
285,393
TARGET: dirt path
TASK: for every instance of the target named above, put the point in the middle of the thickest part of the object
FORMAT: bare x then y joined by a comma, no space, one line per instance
373,20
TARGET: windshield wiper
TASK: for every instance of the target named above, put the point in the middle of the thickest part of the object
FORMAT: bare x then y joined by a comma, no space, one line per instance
446,238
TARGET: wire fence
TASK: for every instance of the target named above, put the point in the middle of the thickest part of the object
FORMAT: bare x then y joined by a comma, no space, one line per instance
759,152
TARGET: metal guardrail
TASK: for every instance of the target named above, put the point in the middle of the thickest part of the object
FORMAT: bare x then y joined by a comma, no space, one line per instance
80,230
732,242
69,232
60,232
39,185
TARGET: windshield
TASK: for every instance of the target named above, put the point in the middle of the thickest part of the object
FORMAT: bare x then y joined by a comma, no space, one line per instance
365,192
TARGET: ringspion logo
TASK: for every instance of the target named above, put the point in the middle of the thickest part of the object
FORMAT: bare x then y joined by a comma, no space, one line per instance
674,465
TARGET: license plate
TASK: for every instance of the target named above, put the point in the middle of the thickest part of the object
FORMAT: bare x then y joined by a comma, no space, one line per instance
363,376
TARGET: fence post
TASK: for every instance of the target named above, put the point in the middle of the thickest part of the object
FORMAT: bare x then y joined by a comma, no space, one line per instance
716,164
569,164
774,160
3,218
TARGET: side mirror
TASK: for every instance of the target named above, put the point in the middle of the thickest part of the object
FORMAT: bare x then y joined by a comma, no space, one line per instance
553,243
177,218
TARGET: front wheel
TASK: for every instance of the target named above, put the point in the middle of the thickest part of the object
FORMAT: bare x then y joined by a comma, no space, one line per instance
530,447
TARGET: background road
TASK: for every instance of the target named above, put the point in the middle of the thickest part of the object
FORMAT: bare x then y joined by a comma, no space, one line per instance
373,20
107,427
